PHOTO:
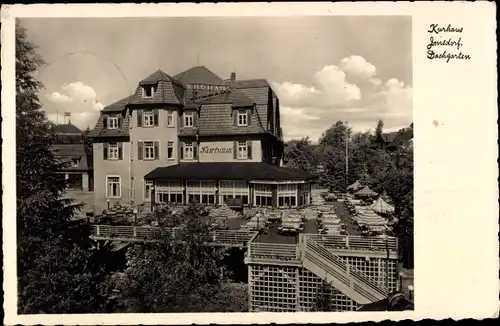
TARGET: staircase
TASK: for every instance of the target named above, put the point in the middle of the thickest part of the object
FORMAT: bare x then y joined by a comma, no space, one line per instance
347,279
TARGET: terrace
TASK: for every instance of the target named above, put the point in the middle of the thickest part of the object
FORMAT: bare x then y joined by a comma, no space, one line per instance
263,233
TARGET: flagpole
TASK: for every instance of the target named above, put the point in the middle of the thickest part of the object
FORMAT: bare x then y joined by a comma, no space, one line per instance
346,159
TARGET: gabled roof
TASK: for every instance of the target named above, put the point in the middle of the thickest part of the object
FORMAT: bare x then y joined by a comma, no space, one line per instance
158,76
227,171
199,75
118,106
168,90
66,129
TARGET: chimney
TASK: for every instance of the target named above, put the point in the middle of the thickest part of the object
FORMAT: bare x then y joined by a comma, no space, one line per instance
233,76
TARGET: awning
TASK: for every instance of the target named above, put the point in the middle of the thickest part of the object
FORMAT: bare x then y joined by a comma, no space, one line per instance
227,171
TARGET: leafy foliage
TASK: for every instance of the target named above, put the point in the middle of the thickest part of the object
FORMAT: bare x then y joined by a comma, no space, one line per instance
177,276
323,299
299,154
52,253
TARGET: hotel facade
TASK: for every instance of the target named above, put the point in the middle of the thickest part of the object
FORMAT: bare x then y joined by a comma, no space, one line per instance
194,137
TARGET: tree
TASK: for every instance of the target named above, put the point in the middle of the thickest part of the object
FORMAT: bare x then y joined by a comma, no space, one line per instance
178,274
52,256
299,154
380,129
323,299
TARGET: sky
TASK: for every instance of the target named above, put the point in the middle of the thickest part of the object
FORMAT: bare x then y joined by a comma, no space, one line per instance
324,69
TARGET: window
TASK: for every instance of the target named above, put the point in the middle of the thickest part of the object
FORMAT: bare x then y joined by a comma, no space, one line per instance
148,91
188,119
242,118
149,119
287,195
170,119
149,150
170,150
113,123
242,150
148,186
263,195
202,192
113,151
169,192
113,189
188,151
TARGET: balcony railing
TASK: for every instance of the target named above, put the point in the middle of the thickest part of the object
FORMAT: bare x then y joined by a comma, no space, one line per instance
152,234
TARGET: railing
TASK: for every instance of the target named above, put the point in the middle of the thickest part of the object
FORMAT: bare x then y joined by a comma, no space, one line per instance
348,275
273,252
356,242
145,234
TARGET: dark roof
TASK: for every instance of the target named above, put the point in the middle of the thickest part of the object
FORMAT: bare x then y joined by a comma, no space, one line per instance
168,90
158,76
218,119
390,137
71,152
234,97
227,171
100,131
66,129
119,105
199,75
248,83
404,135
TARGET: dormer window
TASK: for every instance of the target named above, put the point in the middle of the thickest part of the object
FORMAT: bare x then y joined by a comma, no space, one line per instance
242,118
113,122
188,119
148,91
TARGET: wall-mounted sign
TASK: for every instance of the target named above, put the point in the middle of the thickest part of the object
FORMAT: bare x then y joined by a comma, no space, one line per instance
215,150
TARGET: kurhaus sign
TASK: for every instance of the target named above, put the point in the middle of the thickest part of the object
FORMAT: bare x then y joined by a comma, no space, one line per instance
215,150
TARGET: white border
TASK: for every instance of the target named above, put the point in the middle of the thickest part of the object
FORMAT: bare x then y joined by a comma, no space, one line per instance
456,189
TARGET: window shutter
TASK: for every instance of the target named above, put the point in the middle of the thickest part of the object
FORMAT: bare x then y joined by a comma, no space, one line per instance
139,118
195,119
181,150
157,150
140,149
105,122
235,149
105,153
119,121
155,117
120,151
235,115
249,117
249,149
195,150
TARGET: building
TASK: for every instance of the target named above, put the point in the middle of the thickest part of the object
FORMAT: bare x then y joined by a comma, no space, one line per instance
392,141
194,137
70,149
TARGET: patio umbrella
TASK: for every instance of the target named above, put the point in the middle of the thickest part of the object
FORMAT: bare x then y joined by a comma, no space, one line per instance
370,218
355,186
366,192
380,206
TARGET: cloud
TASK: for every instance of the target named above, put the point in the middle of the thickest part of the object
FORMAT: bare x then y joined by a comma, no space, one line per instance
308,110
358,66
57,97
78,99
330,88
